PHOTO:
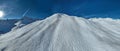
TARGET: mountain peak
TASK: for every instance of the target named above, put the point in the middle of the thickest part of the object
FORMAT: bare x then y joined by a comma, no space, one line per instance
59,15
61,32
64,17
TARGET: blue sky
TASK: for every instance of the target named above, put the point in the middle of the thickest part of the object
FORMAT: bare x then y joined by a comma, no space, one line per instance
45,8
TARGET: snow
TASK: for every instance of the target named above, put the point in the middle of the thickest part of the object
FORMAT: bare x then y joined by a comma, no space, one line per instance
13,24
61,32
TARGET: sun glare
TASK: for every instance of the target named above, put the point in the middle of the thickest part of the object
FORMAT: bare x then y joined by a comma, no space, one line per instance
1,14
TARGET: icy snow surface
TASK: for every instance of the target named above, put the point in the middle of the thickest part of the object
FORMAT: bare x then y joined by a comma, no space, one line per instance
61,32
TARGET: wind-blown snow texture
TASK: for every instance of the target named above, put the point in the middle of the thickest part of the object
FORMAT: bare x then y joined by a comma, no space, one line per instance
61,32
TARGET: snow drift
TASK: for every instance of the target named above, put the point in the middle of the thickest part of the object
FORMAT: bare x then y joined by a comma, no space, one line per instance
61,32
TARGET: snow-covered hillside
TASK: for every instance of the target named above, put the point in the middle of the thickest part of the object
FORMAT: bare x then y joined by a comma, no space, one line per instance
61,32
13,24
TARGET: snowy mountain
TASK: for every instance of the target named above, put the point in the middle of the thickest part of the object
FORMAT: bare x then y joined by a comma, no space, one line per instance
13,24
61,32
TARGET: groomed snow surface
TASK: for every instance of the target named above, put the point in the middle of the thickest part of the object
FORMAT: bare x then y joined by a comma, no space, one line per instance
61,32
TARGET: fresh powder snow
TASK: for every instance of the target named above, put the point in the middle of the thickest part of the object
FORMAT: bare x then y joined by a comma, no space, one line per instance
61,32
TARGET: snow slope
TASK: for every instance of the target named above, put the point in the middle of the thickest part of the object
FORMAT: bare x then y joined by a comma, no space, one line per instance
13,24
61,32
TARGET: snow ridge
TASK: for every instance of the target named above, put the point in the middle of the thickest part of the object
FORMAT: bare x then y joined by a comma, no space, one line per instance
61,32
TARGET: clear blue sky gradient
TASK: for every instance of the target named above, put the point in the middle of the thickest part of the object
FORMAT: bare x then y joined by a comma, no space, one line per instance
45,8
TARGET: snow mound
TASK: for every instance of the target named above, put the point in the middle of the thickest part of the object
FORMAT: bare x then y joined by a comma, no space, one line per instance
61,32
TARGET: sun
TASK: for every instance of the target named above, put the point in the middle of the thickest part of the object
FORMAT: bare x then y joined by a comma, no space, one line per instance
1,14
